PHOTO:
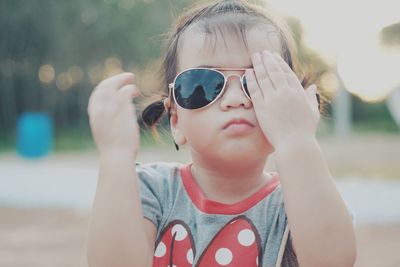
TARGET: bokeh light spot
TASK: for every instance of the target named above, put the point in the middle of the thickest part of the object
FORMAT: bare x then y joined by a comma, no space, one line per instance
46,73
64,81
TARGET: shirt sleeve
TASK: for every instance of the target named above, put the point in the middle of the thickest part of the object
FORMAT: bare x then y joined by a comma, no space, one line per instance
151,192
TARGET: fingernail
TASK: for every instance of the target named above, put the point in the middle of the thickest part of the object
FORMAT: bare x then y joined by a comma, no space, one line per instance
314,88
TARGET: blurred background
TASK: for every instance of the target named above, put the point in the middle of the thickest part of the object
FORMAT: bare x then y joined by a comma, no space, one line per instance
53,53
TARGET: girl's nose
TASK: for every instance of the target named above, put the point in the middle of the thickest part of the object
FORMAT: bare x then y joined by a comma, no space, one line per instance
234,96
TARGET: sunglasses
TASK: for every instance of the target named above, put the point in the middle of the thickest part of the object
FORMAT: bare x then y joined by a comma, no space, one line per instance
196,88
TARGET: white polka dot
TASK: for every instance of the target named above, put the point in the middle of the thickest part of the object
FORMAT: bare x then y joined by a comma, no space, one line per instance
223,256
257,261
180,231
160,250
189,256
246,237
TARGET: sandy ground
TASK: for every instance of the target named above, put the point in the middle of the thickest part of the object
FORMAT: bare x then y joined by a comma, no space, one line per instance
55,237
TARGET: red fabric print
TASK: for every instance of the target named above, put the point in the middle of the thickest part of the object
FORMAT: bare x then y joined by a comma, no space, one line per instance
237,244
175,249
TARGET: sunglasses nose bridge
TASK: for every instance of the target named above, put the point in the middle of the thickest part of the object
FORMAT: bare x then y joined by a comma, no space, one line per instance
240,77
233,74
230,75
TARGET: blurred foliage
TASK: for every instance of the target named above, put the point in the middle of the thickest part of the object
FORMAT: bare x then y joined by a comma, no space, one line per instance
53,53
367,115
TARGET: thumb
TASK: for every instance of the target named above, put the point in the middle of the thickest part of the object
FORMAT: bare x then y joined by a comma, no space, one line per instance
129,91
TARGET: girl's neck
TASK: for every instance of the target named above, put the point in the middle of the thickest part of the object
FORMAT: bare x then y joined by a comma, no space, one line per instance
229,183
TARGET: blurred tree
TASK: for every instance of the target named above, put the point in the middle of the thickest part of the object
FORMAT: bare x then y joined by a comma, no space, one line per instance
52,53
367,115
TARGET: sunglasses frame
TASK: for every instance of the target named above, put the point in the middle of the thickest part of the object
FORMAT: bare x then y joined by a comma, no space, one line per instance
218,70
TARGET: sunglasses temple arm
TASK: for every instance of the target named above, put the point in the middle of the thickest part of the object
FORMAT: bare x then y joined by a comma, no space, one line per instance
169,109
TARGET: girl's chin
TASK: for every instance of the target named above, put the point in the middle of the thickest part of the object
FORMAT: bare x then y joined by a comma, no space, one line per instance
235,150
240,154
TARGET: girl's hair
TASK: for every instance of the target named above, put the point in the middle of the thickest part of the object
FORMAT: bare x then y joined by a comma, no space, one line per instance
235,16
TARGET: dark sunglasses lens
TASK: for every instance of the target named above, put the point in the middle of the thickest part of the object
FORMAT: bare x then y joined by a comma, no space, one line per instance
245,86
198,87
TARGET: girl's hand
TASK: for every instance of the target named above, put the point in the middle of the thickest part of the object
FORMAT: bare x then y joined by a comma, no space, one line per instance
112,116
285,111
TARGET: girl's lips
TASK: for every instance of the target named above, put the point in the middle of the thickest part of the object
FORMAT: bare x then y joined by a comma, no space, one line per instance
238,125
238,129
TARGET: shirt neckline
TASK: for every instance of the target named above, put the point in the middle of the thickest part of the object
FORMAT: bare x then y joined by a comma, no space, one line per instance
214,207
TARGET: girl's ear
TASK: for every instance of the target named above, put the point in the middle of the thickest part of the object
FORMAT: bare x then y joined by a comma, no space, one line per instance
177,134
167,103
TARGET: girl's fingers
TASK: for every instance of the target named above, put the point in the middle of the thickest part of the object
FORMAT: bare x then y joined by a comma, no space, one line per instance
128,92
274,70
290,75
256,94
261,74
117,81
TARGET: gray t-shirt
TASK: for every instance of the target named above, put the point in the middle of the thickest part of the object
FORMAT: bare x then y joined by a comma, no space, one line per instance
195,231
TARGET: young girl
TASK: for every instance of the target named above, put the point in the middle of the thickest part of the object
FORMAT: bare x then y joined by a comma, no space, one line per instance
233,97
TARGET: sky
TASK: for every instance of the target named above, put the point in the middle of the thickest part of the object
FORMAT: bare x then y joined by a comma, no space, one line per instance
346,34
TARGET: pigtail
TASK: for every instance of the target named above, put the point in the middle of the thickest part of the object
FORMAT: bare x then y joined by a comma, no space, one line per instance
153,113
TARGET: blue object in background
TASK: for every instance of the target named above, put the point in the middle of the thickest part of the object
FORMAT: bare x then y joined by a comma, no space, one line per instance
34,134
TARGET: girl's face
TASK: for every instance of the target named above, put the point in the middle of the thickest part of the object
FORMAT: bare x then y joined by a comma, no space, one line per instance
208,131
